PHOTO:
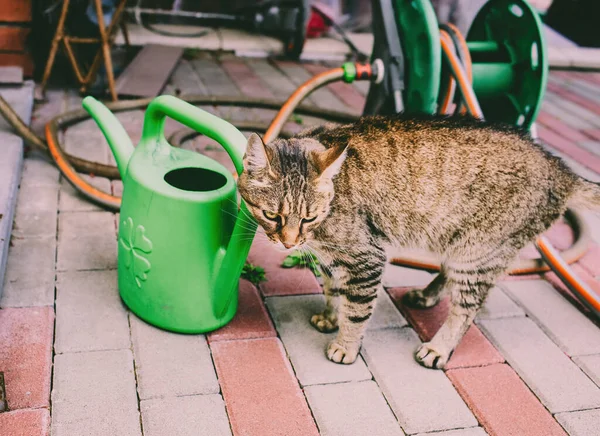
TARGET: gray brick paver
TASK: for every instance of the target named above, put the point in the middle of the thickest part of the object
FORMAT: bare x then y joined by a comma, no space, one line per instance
94,394
351,409
499,305
306,346
35,224
86,241
72,201
35,199
185,80
571,330
29,279
385,315
395,276
85,140
36,214
590,365
170,364
581,423
549,373
220,83
89,312
185,416
38,171
422,399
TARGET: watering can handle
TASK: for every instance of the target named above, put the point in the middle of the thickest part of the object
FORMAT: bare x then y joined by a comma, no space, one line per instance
230,138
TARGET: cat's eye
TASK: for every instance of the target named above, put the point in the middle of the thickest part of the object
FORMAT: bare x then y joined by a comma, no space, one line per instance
270,215
309,220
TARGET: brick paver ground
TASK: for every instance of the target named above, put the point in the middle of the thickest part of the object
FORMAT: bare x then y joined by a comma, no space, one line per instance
77,361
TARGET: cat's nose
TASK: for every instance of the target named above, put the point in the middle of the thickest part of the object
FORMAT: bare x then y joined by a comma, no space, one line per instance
286,245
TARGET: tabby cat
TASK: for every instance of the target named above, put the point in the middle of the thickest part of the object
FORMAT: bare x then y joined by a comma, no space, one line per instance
473,192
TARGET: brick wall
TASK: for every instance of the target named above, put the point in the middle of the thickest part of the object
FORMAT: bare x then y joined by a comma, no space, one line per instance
15,25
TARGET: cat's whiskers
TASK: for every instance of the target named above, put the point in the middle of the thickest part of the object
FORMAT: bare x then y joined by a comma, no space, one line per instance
301,249
311,259
245,223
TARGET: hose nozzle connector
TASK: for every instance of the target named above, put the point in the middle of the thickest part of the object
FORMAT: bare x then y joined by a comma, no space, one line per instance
355,71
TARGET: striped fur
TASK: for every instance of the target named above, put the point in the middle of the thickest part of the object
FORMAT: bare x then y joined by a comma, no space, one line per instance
472,192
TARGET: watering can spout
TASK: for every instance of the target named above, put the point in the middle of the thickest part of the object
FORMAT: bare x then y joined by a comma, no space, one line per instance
113,131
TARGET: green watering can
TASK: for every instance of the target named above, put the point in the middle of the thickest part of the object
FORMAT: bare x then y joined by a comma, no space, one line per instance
182,246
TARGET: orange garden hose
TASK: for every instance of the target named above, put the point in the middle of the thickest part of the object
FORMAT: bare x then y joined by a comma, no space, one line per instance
90,192
581,289
462,75
300,94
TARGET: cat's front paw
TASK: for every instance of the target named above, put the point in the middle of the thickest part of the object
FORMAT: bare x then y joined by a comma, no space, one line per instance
346,354
417,299
429,357
324,323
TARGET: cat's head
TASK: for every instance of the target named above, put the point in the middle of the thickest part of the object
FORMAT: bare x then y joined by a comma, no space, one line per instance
288,187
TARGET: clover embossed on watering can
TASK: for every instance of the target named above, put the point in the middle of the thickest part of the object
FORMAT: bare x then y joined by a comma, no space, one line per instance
181,245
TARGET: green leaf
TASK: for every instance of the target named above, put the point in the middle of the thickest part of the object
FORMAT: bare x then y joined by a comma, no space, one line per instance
302,260
290,261
254,274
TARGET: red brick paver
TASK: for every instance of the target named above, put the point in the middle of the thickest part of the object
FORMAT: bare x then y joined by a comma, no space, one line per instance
281,281
251,320
28,422
473,350
26,336
261,393
502,402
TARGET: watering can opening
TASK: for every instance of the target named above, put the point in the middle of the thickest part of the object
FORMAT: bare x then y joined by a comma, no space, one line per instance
195,179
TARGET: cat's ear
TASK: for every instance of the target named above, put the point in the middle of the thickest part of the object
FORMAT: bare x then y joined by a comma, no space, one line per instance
256,158
330,161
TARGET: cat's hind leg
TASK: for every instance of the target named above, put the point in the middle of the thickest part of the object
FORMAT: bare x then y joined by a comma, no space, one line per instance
468,284
429,296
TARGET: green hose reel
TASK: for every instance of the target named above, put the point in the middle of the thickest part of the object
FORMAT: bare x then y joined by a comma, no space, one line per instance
506,44
510,63
422,54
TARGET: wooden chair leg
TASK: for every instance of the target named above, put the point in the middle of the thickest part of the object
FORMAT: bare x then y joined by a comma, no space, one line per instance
106,50
58,37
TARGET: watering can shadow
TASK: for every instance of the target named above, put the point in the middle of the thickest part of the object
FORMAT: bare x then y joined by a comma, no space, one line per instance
181,243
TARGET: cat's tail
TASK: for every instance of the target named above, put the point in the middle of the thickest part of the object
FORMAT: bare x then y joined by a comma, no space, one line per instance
586,196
